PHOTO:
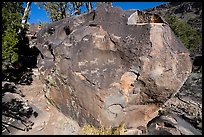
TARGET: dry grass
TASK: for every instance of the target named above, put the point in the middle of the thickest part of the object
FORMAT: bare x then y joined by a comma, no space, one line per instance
91,130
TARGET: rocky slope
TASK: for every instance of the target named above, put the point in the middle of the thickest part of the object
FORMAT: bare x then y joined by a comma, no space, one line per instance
190,12
187,102
185,107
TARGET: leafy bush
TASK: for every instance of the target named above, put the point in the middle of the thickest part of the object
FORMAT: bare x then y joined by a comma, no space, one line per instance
11,23
189,36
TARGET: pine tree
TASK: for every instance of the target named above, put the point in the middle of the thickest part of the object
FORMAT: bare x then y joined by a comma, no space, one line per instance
11,23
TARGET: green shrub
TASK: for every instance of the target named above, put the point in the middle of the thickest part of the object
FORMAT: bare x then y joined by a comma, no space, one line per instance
11,23
9,49
188,35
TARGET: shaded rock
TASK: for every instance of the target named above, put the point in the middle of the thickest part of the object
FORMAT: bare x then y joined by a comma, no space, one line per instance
16,113
102,71
170,124
197,62
10,87
187,103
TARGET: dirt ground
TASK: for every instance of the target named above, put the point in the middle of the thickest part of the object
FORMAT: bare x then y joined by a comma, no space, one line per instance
49,120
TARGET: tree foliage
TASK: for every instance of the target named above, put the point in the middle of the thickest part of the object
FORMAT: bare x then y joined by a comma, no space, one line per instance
60,10
11,23
56,10
189,36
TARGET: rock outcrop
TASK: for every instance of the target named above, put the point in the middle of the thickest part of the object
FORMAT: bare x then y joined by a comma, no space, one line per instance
171,124
16,111
187,103
190,12
111,66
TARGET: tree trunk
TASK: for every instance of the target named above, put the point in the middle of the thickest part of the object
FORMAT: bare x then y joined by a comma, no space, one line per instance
89,6
77,6
77,11
26,13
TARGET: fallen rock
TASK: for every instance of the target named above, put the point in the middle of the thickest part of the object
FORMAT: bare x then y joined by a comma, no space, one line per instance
16,111
170,124
10,87
187,103
111,66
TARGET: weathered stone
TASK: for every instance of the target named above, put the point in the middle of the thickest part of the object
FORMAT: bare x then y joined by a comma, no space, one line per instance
16,111
170,124
187,103
102,71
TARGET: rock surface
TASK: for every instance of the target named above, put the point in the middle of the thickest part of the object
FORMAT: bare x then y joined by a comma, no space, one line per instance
171,124
16,111
189,13
188,102
111,66
185,107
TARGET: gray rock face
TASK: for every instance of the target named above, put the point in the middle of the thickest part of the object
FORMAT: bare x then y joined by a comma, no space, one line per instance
99,70
187,103
171,124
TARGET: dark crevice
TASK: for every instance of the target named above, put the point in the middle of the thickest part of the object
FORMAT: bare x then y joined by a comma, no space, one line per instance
67,58
197,63
113,41
136,73
116,104
51,51
90,81
67,30
168,125
51,31
142,82
182,99
94,15
41,55
93,25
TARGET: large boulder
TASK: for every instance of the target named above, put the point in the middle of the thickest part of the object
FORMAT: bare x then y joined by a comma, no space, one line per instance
111,66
